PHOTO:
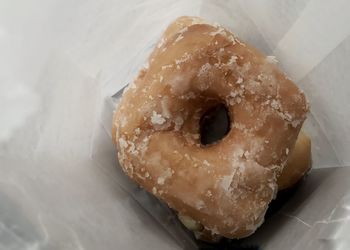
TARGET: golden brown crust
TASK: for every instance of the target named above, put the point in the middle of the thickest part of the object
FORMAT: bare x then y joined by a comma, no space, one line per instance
298,163
226,186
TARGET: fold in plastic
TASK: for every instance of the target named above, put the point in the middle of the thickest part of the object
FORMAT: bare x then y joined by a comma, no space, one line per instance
60,184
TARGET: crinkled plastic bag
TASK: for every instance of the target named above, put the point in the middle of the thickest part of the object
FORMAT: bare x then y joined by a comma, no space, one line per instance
63,65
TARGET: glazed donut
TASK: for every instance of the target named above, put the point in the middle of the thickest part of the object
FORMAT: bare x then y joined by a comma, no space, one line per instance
298,163
224,186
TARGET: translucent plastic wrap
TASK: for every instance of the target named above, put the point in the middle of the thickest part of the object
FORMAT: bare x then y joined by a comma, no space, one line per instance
62,67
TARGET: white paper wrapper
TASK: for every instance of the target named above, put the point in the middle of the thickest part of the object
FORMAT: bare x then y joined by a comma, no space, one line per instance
61,64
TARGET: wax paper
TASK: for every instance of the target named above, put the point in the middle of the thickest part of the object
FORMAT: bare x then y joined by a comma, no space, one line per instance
62,65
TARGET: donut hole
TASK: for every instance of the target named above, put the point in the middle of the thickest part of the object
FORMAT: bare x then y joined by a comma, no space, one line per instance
214,124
